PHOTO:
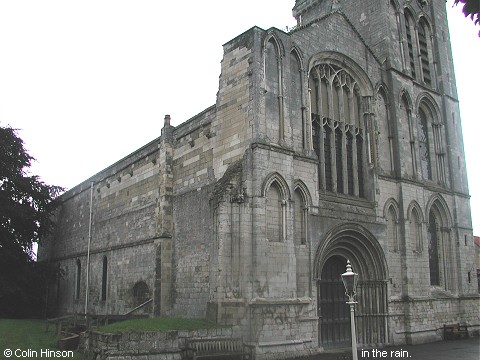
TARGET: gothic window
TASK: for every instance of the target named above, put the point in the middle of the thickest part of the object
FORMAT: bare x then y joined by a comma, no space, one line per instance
392,228
416,230
272,90
423,145
393,17
441,251
438,141
423,43
407,145
433,243
385,130
140,293
104,279
327,142
432,168
296,116
300,218
339,159
409,30
350,173
361,185
78,279
274,213
338,129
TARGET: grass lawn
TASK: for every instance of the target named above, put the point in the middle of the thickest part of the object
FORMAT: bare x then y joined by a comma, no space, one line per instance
157,324
27,335
30,335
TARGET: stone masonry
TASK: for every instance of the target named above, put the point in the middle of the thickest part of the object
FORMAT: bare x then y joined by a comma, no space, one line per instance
340,139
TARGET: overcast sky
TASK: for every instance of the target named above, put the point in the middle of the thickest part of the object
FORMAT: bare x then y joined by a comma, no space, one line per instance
89,82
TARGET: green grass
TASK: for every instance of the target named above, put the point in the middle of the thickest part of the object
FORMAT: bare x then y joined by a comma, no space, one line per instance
27,335
157,324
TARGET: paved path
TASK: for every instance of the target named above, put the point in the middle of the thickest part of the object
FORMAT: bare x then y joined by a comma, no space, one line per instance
462,349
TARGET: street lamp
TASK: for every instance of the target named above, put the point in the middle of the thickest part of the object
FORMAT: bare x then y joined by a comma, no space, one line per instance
350,280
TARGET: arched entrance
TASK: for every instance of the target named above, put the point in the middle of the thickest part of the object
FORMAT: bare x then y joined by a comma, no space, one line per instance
334,315
356,244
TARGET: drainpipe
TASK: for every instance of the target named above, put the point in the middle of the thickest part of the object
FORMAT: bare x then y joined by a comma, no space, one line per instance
88,247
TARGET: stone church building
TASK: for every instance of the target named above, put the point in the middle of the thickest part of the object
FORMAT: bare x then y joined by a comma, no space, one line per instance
340,139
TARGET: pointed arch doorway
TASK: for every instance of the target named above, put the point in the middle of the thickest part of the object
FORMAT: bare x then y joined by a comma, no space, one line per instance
356,244
334,315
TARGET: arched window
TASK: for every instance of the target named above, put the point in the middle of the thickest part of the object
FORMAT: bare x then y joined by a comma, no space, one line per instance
350,170
140,293
296,113
300,218
327,160
410,33
273,91
441,251
339,158
385,128
338,129
104,279
392,228
423,42
416,230
274,213
407,145
78,275
433,243
394,23
423,145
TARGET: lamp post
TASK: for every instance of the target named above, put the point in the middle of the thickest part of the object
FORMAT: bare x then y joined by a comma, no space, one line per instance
350,280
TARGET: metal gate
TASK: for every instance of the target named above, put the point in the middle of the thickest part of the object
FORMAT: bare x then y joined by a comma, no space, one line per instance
334,313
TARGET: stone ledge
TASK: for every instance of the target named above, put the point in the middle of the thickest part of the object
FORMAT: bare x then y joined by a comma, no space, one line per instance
284,342
285,301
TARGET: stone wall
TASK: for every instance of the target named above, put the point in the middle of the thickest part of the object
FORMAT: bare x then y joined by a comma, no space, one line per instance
191,213
146,345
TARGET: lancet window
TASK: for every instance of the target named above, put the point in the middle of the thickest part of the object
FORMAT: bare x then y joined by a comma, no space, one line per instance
338,130
424,146
274,213
423,43
433,231
300,218
392,228
273,91
416,230
409,30
78,279
104,279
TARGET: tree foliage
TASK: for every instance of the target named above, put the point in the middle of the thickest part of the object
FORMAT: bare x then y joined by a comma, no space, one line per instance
471,8
26,208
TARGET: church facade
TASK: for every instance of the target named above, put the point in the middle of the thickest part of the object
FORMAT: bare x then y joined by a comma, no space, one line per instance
340,139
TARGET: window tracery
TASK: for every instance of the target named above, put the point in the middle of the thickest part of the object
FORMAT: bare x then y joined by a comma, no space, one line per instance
338,129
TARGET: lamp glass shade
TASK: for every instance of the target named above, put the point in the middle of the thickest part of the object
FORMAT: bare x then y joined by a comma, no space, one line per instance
350,279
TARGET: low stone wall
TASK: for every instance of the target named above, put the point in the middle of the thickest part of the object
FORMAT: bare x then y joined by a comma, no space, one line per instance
146,345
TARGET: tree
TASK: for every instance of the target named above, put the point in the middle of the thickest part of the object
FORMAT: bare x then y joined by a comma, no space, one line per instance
26,208
471,8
